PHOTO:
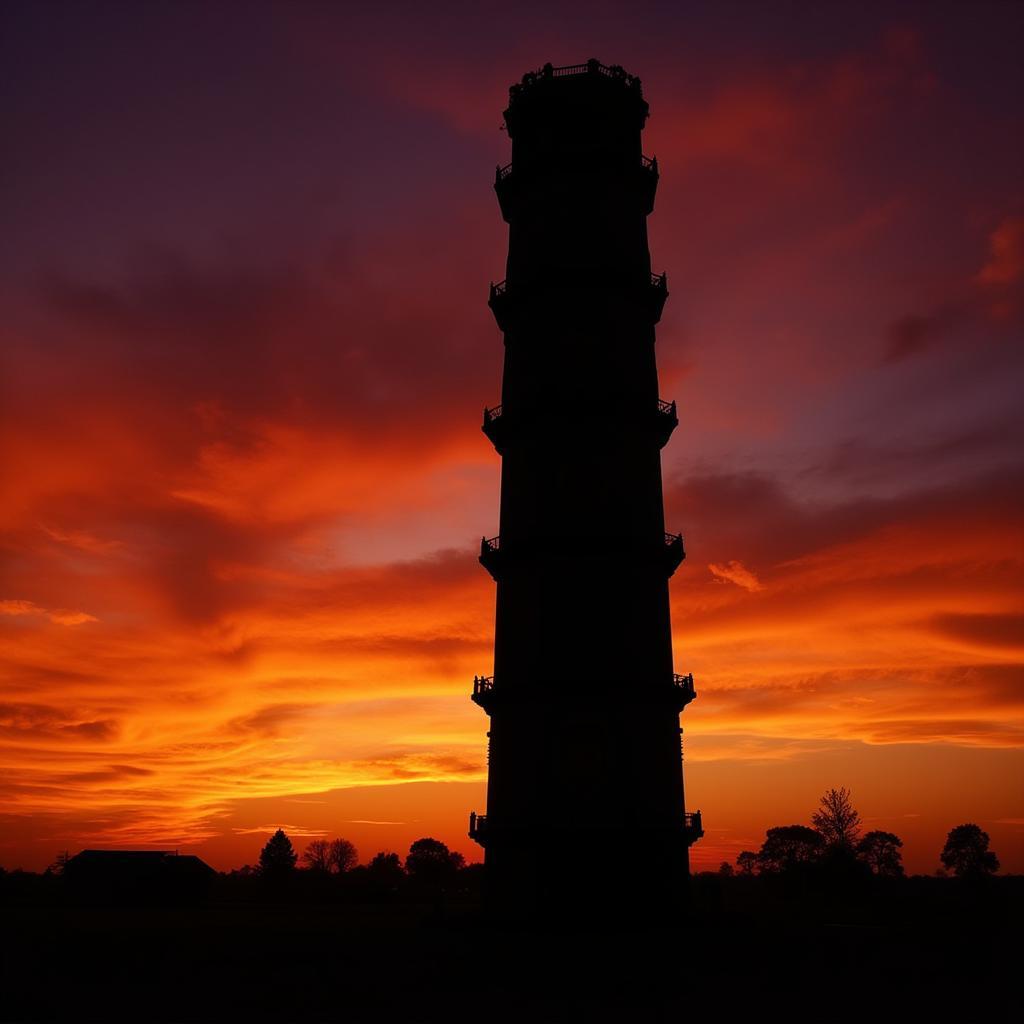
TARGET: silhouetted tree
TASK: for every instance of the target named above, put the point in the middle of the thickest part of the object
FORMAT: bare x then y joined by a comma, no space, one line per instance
470,879
316,856
881,852
59,863
431,861
966,853
725,869
836,820
277,858
383,877
789,846
746,862
386,867
342,856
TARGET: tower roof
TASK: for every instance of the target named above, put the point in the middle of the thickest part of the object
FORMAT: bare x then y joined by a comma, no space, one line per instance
591,67
613,81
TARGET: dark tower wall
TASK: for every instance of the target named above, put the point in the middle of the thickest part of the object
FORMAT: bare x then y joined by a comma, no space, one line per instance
584,762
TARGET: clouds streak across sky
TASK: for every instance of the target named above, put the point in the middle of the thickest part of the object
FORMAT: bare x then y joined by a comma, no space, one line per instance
245,351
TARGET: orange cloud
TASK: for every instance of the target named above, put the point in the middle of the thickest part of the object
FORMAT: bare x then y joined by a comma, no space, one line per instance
59,615
250,486
738,573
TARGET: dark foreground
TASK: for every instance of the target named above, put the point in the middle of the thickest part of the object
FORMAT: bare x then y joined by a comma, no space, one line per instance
921,949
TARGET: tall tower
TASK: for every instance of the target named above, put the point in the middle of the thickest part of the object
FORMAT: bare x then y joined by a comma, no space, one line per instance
585,788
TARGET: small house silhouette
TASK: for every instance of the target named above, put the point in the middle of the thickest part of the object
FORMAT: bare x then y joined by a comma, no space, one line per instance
137,876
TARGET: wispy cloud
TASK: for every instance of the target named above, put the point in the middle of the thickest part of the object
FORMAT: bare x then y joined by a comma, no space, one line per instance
738,573
62,616
244,472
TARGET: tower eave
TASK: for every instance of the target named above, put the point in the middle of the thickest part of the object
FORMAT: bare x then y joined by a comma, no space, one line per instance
537,85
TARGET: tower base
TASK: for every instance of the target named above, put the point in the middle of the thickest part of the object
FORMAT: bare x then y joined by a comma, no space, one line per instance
587,874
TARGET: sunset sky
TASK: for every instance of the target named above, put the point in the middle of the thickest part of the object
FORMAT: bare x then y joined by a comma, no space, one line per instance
245,350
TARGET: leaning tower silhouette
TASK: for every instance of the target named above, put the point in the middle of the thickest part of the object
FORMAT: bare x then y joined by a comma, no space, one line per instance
585,785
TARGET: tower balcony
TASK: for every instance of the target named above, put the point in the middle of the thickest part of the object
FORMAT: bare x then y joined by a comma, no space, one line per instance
548,81
500,303
684,689
666,421
508,186
490,555
648,182
478,828
657,295
535,79
504,187
693,827
652,297
673,552
494,426
483,692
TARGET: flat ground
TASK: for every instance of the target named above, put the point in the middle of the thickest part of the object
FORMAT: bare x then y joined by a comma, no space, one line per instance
738,955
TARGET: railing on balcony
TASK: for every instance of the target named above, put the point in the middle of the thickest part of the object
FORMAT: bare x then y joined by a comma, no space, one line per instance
667,421
647,163
674,552
498,300
693,826
648,183
592,67
494,427
683,682
483,690
684,689
490,554
477,827
503,188
658,295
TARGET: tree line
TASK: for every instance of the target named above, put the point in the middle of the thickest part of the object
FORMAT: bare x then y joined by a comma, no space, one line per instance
327,870
429,865
833,849
835,842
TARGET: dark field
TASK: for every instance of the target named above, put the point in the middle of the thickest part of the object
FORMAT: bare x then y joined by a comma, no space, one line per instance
916,950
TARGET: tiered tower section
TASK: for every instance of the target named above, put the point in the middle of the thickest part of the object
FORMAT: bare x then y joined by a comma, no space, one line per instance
585,788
